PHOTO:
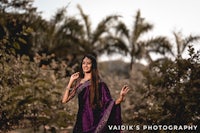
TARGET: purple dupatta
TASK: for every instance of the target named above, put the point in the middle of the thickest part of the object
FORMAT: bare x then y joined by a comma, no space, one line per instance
95,120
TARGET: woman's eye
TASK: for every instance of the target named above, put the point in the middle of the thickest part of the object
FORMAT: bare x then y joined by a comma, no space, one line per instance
86,63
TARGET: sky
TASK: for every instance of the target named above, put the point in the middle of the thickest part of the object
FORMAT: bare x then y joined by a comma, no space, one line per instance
167,16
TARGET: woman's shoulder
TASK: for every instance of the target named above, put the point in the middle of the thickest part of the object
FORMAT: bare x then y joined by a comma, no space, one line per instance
104,88
102,83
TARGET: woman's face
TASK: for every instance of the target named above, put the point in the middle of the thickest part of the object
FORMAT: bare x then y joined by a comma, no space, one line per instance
87,65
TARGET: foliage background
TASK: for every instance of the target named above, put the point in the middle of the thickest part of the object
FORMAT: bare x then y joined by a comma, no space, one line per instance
38,56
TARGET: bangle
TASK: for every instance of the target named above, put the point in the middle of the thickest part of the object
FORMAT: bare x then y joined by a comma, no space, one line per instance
69,89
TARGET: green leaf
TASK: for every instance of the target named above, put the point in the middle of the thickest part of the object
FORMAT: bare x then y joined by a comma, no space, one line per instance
22,40
16,45
29,30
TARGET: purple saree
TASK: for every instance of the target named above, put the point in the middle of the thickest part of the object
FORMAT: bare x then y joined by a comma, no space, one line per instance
95,120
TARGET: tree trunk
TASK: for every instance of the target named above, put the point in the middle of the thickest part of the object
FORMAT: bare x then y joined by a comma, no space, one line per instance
131,63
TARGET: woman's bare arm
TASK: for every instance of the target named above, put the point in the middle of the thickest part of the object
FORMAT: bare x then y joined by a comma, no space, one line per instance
66,94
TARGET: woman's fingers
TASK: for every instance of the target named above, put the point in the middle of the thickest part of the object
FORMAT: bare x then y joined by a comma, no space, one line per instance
76,74
125,89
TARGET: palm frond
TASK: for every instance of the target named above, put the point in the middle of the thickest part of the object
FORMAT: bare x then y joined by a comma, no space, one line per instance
104,26
113,44
140,27
182,43
86,21
59,16
159,45
189,40
122,30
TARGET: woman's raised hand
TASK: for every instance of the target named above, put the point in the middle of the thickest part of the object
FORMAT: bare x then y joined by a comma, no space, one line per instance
74,76
124,91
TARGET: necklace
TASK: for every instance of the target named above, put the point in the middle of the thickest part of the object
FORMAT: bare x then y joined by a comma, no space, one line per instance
84,80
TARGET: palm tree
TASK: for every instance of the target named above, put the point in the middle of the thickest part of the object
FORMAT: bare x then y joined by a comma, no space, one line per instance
182,43
98,41
73,36
67,35
57,35
136,48
44,38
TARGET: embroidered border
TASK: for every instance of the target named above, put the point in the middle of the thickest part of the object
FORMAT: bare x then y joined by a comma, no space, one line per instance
104,119
81,87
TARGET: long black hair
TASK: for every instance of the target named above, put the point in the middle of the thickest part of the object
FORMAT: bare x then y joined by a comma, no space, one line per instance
95,100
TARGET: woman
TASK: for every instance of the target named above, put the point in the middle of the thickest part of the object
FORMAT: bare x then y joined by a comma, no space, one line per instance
97,109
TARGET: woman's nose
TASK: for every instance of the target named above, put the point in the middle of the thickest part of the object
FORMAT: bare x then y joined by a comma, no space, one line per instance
85,65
